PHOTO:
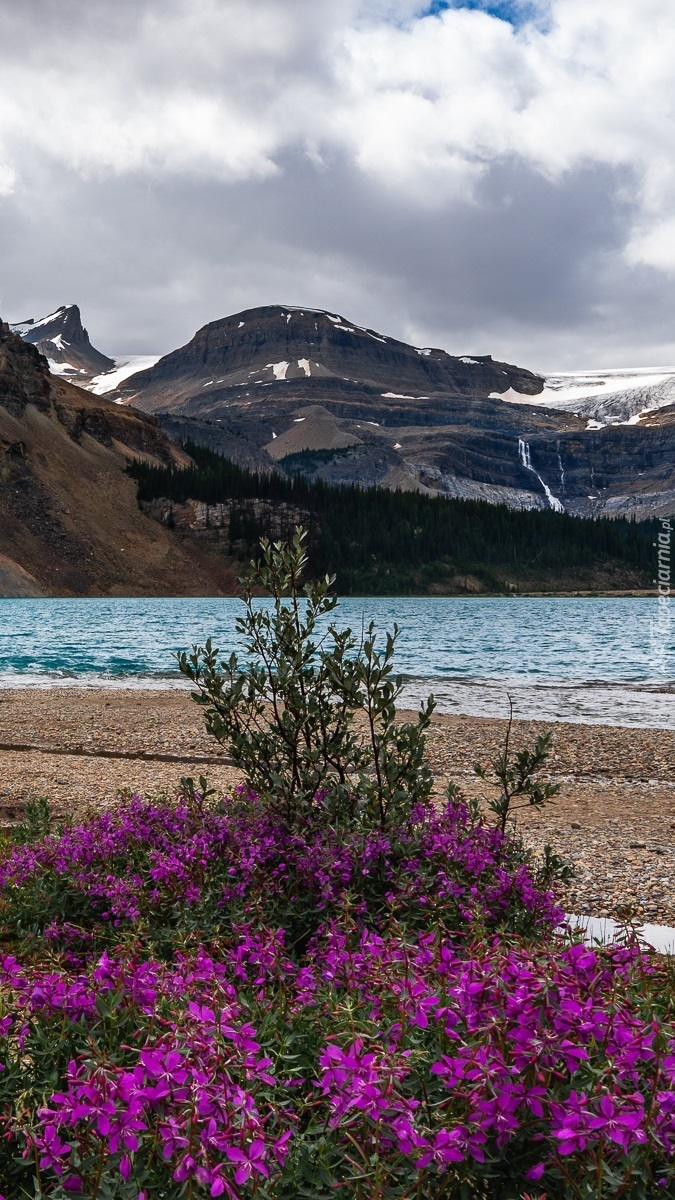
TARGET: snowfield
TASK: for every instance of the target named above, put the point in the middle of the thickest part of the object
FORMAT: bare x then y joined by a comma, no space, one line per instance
124,367
615,397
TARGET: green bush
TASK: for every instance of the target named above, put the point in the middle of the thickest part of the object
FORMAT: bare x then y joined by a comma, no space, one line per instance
311,717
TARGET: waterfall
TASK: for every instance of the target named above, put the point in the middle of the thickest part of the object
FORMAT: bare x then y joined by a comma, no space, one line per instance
524,456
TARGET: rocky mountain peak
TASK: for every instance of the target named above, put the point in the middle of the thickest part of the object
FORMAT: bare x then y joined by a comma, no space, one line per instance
65,343
283,347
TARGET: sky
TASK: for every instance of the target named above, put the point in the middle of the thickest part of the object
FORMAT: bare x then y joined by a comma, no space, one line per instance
488,177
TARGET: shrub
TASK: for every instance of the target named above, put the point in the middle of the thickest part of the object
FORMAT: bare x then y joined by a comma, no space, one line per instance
290,715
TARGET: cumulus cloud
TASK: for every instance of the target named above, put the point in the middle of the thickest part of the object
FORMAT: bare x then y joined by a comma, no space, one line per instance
503,171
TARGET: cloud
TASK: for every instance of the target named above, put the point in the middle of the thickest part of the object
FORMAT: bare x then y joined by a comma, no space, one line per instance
503,170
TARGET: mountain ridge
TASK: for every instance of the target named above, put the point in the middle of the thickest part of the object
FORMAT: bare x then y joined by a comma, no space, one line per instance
320,345
305,389
271,384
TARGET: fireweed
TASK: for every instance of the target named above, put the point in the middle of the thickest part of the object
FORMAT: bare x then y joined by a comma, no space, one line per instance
154,868
200,1002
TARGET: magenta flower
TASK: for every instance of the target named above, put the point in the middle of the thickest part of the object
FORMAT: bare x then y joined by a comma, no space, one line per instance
622,1125
249,1161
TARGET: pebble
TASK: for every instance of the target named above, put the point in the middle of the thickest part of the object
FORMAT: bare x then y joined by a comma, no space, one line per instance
617,801
617,795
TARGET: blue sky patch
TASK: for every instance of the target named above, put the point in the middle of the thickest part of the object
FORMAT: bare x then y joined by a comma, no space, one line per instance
516,12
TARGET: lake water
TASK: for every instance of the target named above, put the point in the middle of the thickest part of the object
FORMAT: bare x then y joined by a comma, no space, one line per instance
569,659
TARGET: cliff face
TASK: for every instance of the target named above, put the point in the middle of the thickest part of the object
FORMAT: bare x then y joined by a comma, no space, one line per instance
69,518
619,470
24,375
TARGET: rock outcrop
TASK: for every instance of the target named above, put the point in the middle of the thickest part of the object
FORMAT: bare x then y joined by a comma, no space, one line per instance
69,517
215,521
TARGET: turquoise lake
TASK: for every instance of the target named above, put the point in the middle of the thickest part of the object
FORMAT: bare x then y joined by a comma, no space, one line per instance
573,659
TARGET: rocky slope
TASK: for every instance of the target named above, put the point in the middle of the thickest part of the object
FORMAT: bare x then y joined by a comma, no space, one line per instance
308,390
64,341
69,518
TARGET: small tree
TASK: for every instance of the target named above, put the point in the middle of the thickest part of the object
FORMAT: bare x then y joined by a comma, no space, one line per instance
516,776
310,718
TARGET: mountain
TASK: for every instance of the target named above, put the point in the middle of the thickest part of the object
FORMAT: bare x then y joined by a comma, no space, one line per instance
69,517
71,522
64,341
315,355
307,390
269,383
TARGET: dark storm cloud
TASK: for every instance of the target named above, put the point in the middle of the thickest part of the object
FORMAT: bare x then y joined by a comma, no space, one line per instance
439,178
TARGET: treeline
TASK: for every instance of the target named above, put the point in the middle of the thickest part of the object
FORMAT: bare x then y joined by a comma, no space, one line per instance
375,540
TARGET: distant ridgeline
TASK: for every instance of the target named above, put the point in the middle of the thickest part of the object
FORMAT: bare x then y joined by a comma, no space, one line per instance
377,541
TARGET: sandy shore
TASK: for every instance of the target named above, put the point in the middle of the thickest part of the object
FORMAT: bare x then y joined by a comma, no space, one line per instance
614,818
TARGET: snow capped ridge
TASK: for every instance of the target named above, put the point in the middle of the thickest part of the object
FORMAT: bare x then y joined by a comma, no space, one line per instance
291,308
64,341
31,324
313,353
338,321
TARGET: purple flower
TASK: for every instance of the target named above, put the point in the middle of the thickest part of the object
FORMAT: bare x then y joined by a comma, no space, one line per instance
250,1160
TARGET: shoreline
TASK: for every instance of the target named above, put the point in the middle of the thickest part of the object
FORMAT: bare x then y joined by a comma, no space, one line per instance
460,594
618,703
614,819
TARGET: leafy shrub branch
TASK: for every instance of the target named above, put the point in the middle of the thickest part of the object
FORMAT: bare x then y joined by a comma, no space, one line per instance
311,717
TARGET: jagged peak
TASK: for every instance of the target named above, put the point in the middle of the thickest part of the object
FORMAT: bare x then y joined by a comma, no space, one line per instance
32,324
62,337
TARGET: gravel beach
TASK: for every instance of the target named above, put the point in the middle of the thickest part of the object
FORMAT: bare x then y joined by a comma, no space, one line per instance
614,819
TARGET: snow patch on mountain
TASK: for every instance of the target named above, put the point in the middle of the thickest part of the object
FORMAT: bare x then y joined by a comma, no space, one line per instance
62,368
280,370
124,367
